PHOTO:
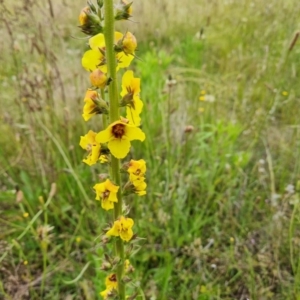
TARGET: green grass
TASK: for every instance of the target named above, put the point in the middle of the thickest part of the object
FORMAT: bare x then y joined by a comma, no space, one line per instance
217,221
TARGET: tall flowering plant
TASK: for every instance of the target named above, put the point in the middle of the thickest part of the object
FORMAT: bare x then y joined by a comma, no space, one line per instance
111,52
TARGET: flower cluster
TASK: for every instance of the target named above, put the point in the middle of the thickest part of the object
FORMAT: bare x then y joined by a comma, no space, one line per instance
108,54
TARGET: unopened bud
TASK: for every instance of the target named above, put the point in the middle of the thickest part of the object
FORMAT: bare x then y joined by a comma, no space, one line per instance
124,10
83,16
105,266
98,79
189,129
129,43
89,21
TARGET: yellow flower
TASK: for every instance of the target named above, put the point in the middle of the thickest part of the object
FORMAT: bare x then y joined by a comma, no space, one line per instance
90,107
93,105
130,97
122,228
202,98
285,93
118,136
25,215
137,167
83,15
78,239
95,58
111,281
107,191
89,143
98,79
140,187
137,170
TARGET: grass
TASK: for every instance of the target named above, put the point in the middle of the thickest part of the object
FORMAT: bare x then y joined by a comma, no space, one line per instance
221,217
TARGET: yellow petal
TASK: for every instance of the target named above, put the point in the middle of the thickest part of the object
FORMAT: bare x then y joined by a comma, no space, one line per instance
126,80
95,153
119,148
104,136
133,116
126,235
134,133
99,189
91,59
136,84
87,116
88,161
113,232
118,36
97,41
110,186
106,204
87,140
128,222
84,142
124,60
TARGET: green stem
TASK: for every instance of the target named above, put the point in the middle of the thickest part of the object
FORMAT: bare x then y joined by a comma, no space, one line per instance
114,115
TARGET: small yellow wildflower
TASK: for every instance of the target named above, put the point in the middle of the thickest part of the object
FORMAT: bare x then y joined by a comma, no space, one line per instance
202,98
83,15
93,148
140,187
137,167
107,191
118,136
95,58
203,92
122,227
111,281
98,79
231,240
78,239
285,93
25,215
130,97
90,107
25,262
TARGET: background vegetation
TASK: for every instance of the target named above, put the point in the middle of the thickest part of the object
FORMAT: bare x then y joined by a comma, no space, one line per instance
221,217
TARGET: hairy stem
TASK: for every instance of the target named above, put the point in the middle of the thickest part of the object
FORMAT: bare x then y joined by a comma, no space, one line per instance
114,115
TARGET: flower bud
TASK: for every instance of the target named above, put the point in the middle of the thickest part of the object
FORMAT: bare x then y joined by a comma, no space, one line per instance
129,43
124,10
83,16
189,128
89,21
98,79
